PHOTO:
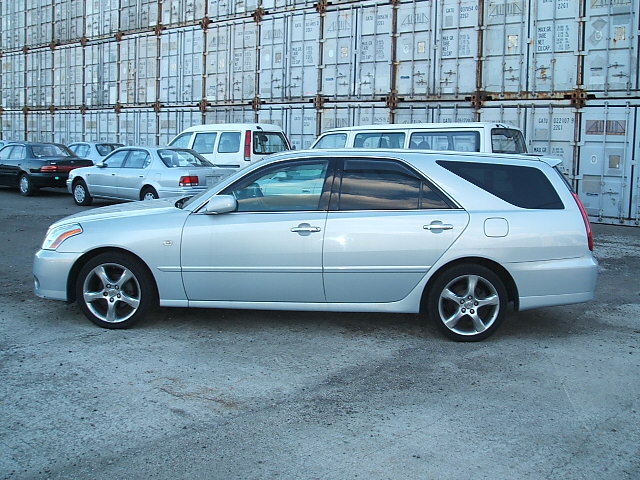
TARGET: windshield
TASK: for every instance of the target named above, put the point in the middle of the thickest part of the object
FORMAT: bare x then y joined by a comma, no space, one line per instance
507,140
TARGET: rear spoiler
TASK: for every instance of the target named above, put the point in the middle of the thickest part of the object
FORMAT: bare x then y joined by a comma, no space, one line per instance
551,161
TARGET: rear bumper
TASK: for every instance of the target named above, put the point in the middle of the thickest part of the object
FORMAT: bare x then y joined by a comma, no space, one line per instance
58,180
555,282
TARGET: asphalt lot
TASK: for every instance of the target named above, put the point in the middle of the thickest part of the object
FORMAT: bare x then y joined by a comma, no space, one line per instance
224,394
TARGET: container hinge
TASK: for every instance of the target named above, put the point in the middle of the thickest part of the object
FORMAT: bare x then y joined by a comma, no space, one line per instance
392,100
255,103
202,105
25,49
157,106
204,23
578,98
478,98
52,109
259,14
118,107
1,110
83,41
158,29
54,44
83,109
318,102
25,109
1,53
119,34
321,6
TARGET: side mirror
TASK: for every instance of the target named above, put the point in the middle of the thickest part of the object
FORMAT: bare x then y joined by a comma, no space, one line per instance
219,204
101,165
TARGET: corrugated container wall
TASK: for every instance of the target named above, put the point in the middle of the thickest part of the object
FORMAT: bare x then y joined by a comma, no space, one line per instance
140,71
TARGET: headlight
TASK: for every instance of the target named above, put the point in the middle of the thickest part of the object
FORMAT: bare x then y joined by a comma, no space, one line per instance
56,235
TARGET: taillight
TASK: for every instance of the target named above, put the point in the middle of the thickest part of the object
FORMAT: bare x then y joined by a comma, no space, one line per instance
49,168
585,217
247,146
189,181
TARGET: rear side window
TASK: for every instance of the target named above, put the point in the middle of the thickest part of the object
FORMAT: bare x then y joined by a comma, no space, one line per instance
458,141
379,140
384,185
203,142
524,187
265,143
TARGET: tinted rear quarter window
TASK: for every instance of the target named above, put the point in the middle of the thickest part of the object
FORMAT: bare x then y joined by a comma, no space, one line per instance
522,186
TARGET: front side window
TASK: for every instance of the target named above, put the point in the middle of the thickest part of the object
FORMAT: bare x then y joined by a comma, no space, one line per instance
203,142
384,185
5,153
525,187
294,186
379,140
138,159
332,140
116,159
507,140
265,143
229,142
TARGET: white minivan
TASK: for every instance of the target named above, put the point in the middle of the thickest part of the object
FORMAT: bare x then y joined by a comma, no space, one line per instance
233,145
461,137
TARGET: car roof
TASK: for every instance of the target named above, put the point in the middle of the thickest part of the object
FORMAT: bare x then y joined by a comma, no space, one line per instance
233,127
412,155
411,126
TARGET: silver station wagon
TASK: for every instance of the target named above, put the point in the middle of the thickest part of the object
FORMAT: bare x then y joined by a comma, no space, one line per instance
455,236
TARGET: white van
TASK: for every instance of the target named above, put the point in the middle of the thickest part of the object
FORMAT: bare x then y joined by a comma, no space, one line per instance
461,137
233,145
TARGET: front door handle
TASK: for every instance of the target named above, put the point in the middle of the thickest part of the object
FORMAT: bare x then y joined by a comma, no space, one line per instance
437,226
305,229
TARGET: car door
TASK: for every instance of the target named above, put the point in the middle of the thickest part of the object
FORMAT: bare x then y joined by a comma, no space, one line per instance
9,165
103,178
270,249
387,225
131,176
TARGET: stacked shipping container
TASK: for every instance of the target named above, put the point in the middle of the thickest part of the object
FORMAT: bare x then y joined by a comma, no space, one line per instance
139,71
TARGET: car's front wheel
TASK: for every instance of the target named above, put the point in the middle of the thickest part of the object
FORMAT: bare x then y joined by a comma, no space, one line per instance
25,185
467,302
115,290
81,194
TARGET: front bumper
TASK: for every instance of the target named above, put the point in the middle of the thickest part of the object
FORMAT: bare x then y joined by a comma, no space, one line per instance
51,272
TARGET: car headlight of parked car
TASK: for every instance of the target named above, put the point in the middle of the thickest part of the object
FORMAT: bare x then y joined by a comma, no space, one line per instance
56,235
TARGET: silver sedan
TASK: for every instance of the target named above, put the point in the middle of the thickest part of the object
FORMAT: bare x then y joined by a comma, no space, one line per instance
457,236
143,173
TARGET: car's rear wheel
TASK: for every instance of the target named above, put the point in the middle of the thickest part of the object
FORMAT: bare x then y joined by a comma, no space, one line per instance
149,193
467,302
115,290
25,185
81,194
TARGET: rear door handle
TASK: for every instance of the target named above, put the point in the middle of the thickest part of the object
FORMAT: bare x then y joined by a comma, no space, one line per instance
435,226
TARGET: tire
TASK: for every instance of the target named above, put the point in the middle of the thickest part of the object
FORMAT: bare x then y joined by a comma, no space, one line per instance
149,193
25,185
115,290
467,302
81,194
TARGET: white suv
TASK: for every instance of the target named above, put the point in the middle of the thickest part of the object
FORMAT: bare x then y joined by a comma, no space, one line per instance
460,137
233,145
